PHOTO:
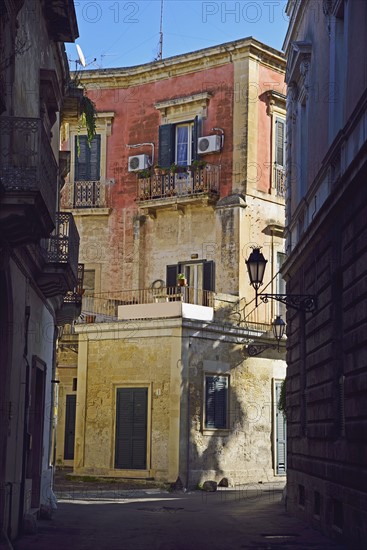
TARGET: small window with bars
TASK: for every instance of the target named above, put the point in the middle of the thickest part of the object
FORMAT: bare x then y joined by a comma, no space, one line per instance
216,402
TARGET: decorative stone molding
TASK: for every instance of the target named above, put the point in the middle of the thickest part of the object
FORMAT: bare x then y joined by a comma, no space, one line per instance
298,68
193,105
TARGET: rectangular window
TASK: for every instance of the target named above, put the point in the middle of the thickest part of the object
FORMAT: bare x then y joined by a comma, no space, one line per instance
178,143
87,158
216,402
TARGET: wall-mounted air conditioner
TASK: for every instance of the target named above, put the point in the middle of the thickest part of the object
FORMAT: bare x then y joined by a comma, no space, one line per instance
138,162
209,144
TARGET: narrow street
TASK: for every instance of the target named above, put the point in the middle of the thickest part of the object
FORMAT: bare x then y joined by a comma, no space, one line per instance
151,518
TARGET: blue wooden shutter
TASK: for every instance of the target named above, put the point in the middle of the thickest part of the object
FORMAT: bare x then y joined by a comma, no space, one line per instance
166,153
216,393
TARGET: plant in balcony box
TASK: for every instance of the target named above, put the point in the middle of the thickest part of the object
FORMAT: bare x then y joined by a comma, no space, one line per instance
157,170
198,165
143,174
173,168
181,279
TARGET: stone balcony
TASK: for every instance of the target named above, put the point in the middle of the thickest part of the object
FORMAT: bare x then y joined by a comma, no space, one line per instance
177,190
28,181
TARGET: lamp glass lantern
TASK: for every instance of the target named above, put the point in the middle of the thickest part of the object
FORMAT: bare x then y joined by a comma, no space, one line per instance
256,264
278,328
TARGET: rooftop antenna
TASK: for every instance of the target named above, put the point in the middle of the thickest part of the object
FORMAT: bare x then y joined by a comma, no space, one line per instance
160,53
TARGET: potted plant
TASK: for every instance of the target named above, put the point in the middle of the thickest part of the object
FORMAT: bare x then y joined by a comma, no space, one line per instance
143,174
157,170
198,165
181,279
173,168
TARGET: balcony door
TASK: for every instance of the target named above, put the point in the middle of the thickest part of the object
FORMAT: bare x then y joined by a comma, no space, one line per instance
194,277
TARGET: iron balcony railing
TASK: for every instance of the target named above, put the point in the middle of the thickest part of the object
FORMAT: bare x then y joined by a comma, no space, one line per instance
90,194
75,296
105,305
27,162
279,180
63,245
188,183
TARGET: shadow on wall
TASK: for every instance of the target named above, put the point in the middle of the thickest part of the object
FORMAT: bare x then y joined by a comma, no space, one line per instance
241,450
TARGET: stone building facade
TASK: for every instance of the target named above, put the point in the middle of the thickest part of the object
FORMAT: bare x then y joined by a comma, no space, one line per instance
177,355
326,248
38,248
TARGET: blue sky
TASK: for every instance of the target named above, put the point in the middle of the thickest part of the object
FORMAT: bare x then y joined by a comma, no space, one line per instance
125,33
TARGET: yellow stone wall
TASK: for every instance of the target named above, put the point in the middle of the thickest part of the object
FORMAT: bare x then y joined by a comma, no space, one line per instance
112,357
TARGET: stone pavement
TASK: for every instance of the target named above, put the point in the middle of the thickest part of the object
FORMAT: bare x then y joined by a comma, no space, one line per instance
245,517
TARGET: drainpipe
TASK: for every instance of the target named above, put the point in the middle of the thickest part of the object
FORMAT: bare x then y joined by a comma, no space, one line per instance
25,417
188,431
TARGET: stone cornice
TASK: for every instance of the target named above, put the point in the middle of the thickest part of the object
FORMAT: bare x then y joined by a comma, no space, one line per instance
180,65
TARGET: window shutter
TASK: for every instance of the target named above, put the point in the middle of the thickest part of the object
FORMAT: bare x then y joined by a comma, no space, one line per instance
166,145
95,159
87,163
279,142
216,402
171,275
281,435
81,158
196,133
208,276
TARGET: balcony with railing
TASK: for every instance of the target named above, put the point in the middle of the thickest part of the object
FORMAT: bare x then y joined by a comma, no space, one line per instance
149,303
86,195
279,180
60,272
71,307
188,186
28,180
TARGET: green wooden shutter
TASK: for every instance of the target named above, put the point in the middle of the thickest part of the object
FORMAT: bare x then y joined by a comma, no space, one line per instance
208,276
279,142
69,436
95,159
196,133
87,162
216,393
81,158
166,154
171,275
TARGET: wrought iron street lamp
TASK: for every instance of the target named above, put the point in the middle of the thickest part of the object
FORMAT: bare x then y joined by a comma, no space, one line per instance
256,264
278,326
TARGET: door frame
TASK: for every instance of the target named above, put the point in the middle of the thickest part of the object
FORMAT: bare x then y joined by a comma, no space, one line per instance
275,447
148,472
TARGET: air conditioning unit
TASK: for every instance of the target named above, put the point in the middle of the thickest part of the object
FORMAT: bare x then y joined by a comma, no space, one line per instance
209,144
139,162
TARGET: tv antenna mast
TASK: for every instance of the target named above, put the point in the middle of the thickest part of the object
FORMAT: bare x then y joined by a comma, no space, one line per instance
160,52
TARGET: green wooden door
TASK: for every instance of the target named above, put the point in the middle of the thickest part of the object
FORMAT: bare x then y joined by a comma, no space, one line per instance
131,429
